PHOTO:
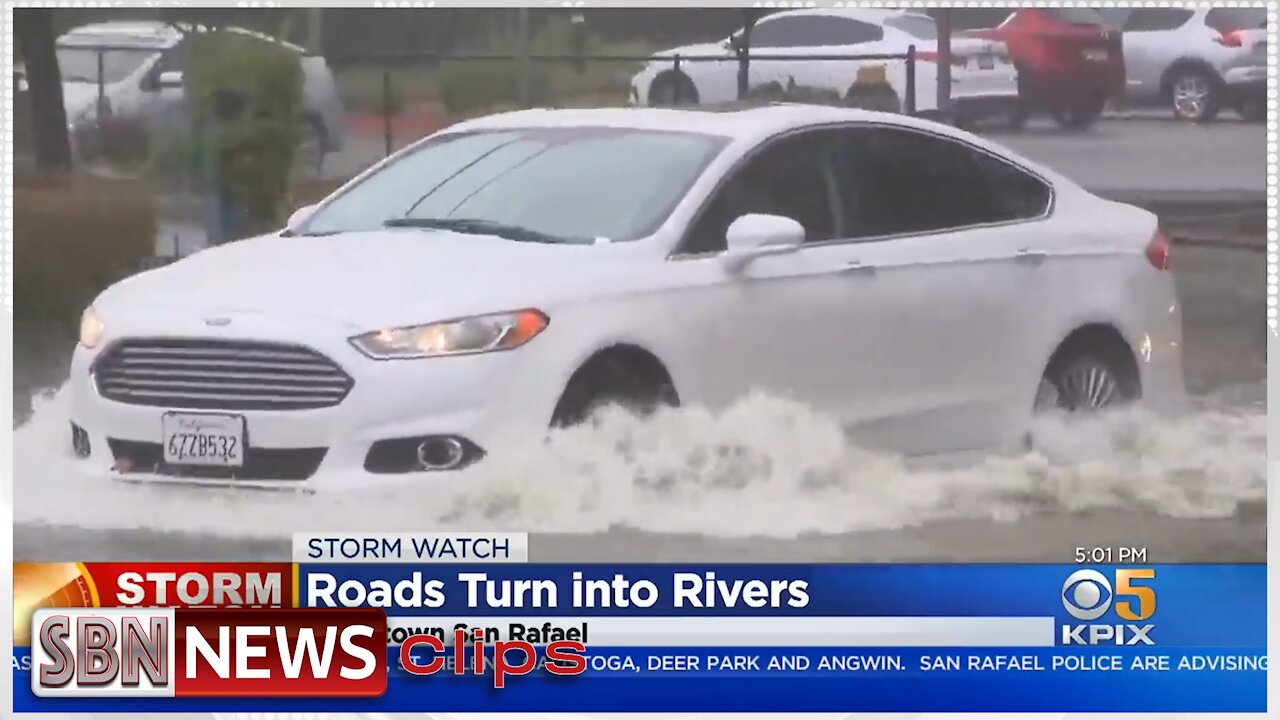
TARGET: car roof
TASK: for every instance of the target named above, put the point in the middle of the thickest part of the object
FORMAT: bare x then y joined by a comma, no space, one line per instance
748,123
148,34
869,15
738,121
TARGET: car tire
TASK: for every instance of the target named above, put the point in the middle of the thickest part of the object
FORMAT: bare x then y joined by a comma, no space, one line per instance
606,383
1252,109
1079,115
1195,95
1086,379
663,90
1016,118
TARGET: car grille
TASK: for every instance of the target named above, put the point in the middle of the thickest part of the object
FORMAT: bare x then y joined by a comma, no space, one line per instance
219,375
295,464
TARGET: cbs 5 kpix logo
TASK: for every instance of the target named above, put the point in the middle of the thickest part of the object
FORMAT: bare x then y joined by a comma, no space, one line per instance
1097,601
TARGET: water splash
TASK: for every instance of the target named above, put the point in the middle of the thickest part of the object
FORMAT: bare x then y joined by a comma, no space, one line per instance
762,468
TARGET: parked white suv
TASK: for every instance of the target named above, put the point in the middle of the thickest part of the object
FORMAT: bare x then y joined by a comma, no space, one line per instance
984,81
1199,60
141,66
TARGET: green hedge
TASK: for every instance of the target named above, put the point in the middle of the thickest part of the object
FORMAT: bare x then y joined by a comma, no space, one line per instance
72,238
254,152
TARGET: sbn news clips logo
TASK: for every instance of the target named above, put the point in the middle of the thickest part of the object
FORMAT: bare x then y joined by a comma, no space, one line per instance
1089,595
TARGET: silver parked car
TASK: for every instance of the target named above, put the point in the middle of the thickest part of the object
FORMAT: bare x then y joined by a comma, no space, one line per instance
1199,60
141,66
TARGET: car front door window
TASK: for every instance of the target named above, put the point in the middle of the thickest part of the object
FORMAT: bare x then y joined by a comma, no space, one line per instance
790,177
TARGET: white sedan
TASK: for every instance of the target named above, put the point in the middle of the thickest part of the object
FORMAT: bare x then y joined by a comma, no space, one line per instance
512,273
797,49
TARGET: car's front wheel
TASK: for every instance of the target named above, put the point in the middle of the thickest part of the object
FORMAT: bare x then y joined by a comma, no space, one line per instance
635,382
1195,95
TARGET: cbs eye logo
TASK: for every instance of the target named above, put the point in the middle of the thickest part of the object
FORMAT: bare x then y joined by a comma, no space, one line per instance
1088,594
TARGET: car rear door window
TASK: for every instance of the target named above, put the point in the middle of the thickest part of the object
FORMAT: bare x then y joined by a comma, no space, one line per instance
920,27
963,19
1228,19
1156,19
813,31
791,177
846,31
896,181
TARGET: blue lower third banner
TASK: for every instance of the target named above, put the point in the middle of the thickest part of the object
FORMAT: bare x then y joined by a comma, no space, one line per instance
775,638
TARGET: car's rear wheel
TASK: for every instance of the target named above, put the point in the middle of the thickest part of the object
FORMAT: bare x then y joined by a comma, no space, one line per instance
1195,95
1016,118
672,88
1079,114
1088,377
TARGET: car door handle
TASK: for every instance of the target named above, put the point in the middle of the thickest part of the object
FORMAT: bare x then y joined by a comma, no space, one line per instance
1033,257
858,268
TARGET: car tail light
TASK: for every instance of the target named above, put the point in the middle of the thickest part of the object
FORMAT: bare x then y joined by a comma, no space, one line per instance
1230,39
1158,251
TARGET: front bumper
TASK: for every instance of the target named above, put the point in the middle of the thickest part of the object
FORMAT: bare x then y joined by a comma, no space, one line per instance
495,401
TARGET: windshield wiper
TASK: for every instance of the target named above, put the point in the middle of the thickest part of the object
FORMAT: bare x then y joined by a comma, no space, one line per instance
474,226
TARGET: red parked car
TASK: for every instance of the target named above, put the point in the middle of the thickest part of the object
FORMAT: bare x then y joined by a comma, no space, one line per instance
1069,61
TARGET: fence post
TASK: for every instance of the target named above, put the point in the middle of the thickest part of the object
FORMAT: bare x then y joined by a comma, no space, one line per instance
524,41
386,111
743,49
911,80
675,81
944,63
102,91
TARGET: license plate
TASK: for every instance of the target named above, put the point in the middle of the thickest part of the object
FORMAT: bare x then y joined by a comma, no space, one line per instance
986,62
200,439
1095,54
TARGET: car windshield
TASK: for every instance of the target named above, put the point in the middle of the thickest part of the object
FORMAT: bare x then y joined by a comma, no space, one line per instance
80,64
917,26
544,184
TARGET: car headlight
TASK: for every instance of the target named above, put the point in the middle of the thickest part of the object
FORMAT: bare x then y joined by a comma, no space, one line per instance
91,328
482,333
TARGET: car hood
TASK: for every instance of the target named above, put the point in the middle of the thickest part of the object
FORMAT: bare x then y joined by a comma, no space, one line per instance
371,280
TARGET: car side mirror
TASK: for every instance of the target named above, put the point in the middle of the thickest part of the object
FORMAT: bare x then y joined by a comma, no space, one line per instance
755,236
300,216
169,79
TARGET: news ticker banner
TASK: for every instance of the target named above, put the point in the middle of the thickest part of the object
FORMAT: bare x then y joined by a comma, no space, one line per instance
639,638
